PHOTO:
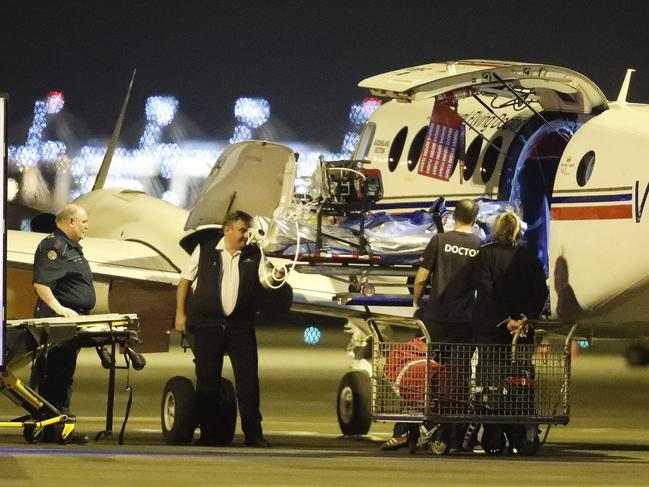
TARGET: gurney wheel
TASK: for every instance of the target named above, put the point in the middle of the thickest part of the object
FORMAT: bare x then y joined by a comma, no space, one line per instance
31,434
178,412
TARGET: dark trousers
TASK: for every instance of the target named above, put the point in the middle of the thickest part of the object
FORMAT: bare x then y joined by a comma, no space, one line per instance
210,344
54,375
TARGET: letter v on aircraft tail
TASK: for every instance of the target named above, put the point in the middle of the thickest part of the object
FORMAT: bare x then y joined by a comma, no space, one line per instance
639,206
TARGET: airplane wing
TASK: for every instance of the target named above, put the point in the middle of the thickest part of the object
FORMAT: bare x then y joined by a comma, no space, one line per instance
108,258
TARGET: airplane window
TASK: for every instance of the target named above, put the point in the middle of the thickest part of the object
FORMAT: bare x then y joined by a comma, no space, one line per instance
397,148
365,141
416,146
585,168
490,159
471,157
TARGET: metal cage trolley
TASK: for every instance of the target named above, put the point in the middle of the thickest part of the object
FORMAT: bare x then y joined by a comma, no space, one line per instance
508,390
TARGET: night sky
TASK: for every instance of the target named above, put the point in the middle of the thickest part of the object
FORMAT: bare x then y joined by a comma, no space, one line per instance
305,56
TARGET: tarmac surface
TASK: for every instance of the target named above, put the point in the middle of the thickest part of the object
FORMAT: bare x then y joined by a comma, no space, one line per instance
606,442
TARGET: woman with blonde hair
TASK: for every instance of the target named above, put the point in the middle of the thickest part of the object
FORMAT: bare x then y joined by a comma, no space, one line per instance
510,283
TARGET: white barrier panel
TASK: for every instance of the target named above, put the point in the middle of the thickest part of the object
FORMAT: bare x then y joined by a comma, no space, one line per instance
3,240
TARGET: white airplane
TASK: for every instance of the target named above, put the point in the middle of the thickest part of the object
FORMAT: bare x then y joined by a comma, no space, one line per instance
542,136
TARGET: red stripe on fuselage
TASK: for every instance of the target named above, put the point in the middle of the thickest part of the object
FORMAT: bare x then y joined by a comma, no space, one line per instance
613,212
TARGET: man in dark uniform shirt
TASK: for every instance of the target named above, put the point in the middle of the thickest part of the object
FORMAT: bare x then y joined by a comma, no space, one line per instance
63,283
447,265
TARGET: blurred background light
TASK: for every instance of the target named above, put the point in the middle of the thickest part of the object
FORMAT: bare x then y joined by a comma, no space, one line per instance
311,335
161,109
253,112
241,132
55,102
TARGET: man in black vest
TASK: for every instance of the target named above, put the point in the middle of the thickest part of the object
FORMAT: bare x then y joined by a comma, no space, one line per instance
228,279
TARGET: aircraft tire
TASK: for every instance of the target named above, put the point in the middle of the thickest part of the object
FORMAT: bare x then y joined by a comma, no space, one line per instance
178,411
226,421
353,403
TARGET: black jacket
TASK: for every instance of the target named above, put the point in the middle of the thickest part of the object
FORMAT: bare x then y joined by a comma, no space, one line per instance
510,282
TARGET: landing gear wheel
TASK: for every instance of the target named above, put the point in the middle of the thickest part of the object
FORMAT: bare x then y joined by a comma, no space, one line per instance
178,412
31,434
493,439
353,403
226,420
439,444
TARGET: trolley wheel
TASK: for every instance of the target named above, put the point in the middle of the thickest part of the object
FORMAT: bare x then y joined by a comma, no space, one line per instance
439,444
226,421
493,439
32,435
178,412
353,403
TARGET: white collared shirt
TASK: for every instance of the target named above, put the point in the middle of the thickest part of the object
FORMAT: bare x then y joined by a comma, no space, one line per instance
229,275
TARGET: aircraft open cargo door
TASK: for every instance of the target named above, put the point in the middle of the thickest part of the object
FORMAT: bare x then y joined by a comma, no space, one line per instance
555,88
252,176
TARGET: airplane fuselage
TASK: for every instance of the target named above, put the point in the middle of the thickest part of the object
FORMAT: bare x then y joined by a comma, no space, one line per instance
592,237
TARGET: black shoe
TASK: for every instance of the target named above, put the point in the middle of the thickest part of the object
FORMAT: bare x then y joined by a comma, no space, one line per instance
51,435
78,438
395,443
258,442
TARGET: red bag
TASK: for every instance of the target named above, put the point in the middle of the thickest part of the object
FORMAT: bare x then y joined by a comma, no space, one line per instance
405,367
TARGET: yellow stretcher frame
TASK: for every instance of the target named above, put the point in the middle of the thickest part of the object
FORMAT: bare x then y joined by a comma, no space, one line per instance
23,396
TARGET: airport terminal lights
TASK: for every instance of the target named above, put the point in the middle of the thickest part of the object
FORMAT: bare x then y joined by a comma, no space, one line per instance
48,175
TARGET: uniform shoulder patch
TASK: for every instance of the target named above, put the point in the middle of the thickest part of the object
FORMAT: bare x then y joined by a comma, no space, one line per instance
52,255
